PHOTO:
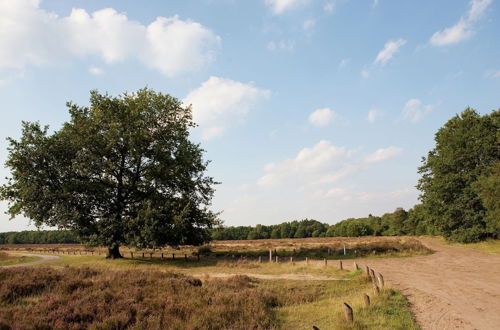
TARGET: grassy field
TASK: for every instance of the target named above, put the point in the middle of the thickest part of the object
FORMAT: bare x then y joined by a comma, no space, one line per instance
490,246
142,297
312,248
226,289
12,259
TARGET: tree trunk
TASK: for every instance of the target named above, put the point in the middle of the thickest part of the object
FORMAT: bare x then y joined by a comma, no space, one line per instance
114,252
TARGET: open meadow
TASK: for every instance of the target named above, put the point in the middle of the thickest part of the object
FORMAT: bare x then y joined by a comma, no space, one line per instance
83,290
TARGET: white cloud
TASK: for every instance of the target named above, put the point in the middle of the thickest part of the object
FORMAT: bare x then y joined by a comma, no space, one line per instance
390,48
493,74
219,103
414,110
281,45
373,115
308,24
322,164
330,6
343,63
383,154
8,79
464,28
280,6
322,117
30,35
96,71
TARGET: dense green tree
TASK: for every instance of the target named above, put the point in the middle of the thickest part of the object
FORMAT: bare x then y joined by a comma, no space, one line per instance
466,146
488,189
120,172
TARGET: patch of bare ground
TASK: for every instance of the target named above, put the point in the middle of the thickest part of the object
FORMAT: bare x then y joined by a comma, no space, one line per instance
454,288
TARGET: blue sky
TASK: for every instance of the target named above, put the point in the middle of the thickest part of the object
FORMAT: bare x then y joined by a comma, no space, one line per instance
306,108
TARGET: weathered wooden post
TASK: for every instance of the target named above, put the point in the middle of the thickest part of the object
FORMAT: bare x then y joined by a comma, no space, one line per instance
367,271
291,261
270,255
307,261
356,267
340,265
143,254
260,259
349,316
150,255
277,260
131,255
162,256
173,256
367,299
381,280
376,290
326,262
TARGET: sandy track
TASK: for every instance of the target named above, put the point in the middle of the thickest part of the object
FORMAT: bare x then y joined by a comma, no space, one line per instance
454,288
43,259
297,277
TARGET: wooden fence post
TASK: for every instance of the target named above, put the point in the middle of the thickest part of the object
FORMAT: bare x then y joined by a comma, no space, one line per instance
356,267
143,254
376,290
381,280
270,255
277,259
150,255
307,261
340,265
291,260
162,256
173,256
326,262
367,271
260,259
367,299
349,316
131,255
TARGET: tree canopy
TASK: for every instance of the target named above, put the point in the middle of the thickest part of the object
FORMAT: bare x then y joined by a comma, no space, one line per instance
121,171
456,183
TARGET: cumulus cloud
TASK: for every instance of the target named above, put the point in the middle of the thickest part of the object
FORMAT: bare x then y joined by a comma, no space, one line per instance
321,164
390,48
30,35
281,45
308,24
330,6
383,154
219,103
414,110
280,6
322,117
464,28
373,115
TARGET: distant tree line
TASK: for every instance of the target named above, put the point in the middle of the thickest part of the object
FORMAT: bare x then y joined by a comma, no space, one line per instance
39,237
399,222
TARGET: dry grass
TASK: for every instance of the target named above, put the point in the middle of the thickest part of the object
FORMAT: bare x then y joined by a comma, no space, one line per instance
13,259
490,246
315,248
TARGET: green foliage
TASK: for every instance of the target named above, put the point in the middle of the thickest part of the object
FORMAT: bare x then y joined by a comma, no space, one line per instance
39,237
466,148
487,187
120,172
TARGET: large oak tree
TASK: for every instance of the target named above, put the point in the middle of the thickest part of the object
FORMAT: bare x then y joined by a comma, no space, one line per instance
121,171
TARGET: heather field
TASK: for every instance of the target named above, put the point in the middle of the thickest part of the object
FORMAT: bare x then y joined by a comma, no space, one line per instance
219,291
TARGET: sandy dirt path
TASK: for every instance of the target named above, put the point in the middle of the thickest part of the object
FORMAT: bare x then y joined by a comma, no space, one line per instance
296,277
43,259
454,288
